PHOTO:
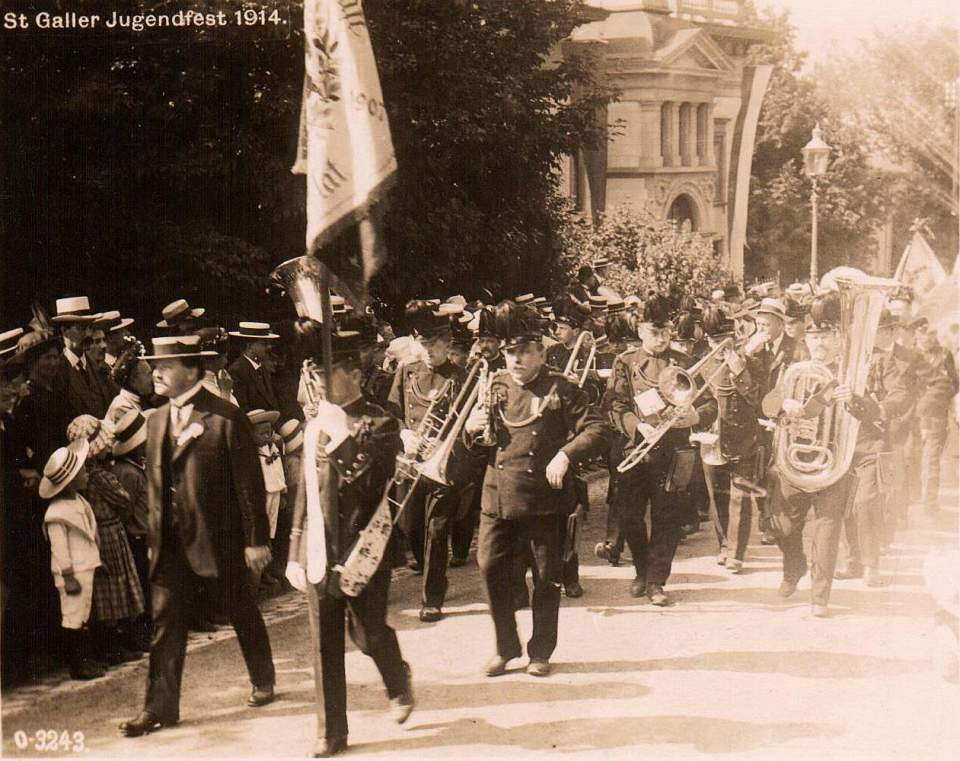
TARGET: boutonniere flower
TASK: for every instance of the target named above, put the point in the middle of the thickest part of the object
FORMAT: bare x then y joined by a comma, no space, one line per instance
191,432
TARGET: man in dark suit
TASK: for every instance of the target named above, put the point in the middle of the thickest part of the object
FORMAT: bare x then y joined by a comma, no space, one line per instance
251,371
207,526
353,443
78,379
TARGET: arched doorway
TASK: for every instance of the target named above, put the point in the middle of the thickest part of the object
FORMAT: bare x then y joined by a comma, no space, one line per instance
683,213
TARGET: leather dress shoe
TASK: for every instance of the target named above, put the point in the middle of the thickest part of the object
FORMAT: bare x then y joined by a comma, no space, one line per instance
260,696
768,539
145,723
497,666
430,613
329,746
820,611
733,565
657,596
538,667
871,577
850,572
721,559
573,590
637,587
787,587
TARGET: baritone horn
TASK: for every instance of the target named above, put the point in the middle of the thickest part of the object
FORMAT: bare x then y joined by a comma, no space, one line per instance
814,453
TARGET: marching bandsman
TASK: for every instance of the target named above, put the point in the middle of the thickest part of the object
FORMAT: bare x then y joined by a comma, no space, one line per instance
542,426
789,504
635,380
939,386
350,444
415,386
730,450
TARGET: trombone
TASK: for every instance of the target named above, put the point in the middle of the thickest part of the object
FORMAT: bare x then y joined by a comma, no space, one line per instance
571,368
678,387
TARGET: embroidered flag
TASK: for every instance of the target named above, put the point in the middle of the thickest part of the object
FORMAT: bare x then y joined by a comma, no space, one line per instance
345,148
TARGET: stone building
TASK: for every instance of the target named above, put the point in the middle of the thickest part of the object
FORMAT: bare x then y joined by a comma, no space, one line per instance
686,118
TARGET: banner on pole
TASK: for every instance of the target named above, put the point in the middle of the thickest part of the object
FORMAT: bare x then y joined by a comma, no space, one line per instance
919,267
344,148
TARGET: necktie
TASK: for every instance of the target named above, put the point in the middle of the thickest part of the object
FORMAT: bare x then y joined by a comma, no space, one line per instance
176,418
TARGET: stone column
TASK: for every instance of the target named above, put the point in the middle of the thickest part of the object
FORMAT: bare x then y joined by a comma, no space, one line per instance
650,135
709,159
687,134
672,114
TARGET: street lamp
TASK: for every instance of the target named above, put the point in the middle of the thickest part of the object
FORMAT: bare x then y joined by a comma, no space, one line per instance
816,156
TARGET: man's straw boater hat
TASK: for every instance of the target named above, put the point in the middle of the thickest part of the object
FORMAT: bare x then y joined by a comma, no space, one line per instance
263,416
179,311
9,341
62,468
74,309
129,432
178,347
254,331
112,321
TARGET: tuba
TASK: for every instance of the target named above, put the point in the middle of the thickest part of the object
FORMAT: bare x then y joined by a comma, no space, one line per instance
300,279
814,453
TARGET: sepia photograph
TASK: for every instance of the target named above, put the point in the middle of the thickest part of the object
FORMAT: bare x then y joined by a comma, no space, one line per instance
480,379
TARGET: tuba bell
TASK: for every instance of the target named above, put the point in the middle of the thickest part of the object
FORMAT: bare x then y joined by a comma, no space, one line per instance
300,279
814,453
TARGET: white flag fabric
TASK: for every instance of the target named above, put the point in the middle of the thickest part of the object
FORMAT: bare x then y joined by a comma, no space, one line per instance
345,148
316,531
919,267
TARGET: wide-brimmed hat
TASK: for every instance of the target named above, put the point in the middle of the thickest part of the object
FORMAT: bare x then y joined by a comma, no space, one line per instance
74,309
98,433
111,321
130,431
263,416
178,347
177,311
292,434
254,331
773,307
62,468
9,341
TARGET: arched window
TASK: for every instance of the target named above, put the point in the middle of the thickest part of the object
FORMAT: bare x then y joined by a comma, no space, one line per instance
683,213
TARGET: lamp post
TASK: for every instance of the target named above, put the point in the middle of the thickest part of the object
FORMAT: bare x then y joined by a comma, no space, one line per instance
816,156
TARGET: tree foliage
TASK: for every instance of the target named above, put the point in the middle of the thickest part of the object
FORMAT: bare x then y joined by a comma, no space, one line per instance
140,167
645,253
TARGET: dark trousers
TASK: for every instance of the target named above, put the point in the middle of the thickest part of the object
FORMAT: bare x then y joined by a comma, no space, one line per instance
638,488
367,617
465,523
731,510
141,560
440,507
174,591
499,542
787,519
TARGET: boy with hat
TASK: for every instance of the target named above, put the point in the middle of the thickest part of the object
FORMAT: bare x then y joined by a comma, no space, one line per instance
545,427
416,386
205,529
634,404
71,528
354,444
252,381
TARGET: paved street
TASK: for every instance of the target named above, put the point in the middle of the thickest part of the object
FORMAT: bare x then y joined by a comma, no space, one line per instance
729,670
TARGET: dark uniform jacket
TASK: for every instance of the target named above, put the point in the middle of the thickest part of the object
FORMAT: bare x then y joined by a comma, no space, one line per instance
209,488
413,384
938,384
252,386
736,408
634,372
533,423
362,465
558,355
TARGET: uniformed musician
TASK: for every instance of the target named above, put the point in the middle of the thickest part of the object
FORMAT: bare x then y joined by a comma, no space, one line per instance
416,384
542,426
353,444
635,373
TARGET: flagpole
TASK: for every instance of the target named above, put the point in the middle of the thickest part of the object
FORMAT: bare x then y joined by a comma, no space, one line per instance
326,345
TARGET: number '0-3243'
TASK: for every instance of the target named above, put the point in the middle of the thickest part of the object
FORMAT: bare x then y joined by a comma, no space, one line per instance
50,740
254,17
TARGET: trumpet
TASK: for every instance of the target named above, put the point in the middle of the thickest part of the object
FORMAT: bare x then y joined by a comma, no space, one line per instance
678,387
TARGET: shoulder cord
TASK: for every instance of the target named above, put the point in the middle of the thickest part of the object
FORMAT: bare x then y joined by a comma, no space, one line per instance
531,418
